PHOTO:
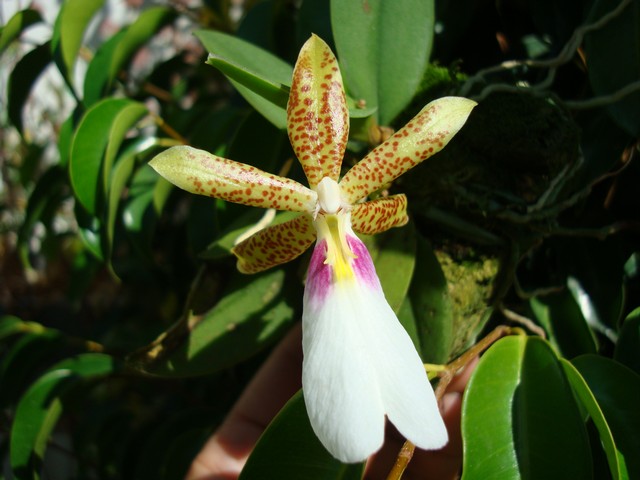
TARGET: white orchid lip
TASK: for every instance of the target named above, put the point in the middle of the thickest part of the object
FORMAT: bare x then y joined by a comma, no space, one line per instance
359,363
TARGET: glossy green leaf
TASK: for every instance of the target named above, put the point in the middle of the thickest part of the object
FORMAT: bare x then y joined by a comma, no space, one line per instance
252,315
116,53
628,347
288,448
21,80
520,418
95,146
617,390
614,60
16,25
562,319
616,462
384,48
394,256
431,304
261,77
41,406
68,32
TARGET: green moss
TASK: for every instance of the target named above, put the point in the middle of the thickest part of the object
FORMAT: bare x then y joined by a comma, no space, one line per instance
470,277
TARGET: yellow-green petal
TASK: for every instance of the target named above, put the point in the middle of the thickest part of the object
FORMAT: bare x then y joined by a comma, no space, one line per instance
379,215
317,114
425,135
203,173
275,245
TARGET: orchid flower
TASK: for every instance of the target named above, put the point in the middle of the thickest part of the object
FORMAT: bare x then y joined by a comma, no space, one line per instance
359,363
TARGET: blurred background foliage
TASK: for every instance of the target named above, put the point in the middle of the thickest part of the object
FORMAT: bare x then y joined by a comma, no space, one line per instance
126,332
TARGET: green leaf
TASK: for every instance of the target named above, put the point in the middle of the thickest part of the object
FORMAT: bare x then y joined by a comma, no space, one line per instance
616,462
614,60
519,416
68,31
41,406
261,78
288,448
95,146
617,390
628,344
21,80
561,317
116,53
432,307
384,48
394,256
16,25
252,315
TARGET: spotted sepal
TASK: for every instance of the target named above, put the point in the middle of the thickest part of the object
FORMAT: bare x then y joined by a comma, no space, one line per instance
275,245
203,173
379,215
317,114
426,134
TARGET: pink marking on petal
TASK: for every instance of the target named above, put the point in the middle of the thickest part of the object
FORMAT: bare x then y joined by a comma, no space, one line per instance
319,276
362,264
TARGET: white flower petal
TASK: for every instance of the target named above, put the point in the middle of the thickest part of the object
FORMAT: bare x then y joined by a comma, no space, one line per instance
359,363
338,379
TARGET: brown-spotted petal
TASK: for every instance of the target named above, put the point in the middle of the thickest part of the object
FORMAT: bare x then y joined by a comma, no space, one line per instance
203,173
379,215
317,114
426,134
275,245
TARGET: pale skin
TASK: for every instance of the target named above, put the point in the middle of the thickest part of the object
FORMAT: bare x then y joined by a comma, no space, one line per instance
227,450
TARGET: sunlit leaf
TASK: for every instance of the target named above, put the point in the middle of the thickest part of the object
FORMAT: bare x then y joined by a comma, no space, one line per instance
16,25
95,146
68,32
519,416
115,53
288,448
249,317
262,78
383,49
